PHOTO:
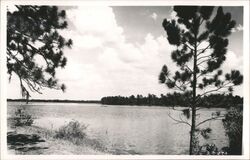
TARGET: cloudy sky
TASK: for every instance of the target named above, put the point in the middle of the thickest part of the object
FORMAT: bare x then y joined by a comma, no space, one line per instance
120,51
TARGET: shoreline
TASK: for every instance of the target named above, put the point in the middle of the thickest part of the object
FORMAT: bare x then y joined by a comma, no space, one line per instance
54,101
34,140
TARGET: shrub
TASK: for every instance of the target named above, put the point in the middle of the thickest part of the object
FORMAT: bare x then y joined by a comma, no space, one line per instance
212,149
22,118
233,122
73,131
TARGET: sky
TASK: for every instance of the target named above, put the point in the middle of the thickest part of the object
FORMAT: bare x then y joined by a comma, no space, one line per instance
120,50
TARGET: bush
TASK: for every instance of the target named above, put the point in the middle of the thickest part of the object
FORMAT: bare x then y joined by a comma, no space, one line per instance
73,131
233,125
22,118
212,149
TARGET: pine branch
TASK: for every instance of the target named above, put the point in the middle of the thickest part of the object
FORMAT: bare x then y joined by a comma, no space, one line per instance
174,108
188,68
182,119
40,53
201,22
178,87
217,89
203,57
209,119
203,50
38,39
30,79
206,60
189,47
17,60
178,121
32,87
197,108
17,6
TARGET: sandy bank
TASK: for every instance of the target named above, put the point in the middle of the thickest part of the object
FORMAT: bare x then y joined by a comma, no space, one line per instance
33,140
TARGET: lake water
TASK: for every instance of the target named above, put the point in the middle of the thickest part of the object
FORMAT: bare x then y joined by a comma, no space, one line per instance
126,129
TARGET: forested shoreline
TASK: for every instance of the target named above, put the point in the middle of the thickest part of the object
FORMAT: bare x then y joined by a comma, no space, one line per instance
175,99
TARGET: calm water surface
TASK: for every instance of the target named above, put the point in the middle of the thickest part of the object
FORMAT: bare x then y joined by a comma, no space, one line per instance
125,129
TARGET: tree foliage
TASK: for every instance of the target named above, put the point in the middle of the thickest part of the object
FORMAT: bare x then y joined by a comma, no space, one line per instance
233,122
201,44
32,35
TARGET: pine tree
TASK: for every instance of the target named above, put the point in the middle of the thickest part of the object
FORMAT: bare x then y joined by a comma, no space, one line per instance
199,71
32,32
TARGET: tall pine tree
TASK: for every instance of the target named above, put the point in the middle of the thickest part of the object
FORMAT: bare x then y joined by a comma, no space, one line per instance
199,71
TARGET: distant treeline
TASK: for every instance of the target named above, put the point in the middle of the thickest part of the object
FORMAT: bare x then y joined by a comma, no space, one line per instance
175,99
54,100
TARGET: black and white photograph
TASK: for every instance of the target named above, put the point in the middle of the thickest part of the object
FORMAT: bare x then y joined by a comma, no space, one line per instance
125,80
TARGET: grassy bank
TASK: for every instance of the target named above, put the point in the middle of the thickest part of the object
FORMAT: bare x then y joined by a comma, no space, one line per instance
33,140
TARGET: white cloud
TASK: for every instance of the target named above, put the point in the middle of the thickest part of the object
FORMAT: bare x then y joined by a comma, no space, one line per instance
95,20
232,62
173,15
240,27
122,67
237,29
233,30
154,16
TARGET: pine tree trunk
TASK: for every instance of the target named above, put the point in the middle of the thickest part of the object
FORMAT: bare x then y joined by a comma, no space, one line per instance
192,132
